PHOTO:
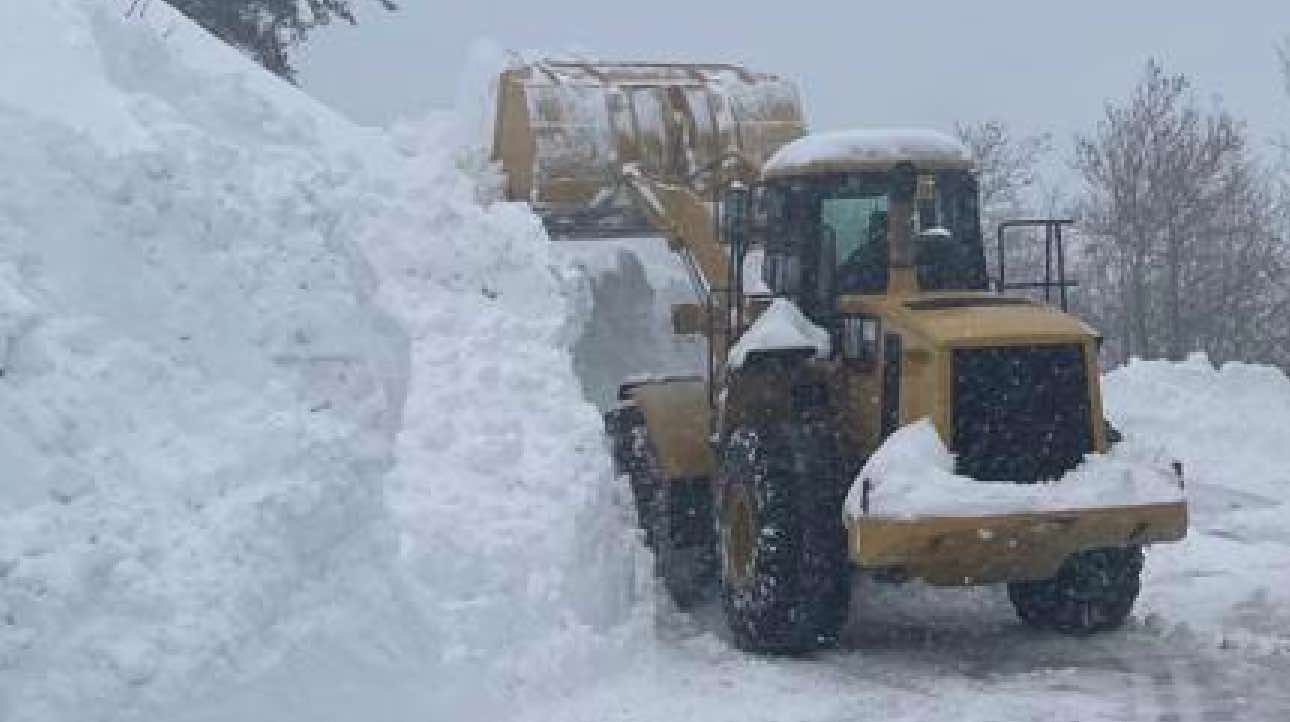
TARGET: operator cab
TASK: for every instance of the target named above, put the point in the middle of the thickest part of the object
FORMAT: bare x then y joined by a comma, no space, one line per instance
868,213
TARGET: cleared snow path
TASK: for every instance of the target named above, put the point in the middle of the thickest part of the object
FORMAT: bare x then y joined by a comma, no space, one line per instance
915,654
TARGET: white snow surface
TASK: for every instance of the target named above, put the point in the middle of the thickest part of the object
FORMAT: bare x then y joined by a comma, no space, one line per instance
781,326
289,427
1229,580
868,146
912,474
290,430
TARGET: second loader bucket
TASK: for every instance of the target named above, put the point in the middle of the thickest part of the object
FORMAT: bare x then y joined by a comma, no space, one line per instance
565,130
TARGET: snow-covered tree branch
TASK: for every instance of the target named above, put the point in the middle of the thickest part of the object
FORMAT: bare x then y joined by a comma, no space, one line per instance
267,30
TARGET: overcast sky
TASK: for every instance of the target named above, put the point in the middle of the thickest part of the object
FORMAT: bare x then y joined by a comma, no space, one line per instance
1037,64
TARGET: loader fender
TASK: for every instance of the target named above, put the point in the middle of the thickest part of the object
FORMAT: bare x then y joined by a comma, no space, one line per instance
677,416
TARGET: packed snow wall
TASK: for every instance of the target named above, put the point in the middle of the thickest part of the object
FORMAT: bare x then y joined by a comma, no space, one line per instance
290,428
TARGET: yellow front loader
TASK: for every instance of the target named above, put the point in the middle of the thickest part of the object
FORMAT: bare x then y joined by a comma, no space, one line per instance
842,290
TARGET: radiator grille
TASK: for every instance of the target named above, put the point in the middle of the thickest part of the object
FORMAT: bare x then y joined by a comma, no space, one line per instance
1021,413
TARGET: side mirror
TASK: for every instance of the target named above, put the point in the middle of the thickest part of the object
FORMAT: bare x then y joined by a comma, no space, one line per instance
860,340
688,319
782,273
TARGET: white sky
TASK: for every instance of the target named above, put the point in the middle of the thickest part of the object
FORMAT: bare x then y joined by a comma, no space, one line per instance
1037,64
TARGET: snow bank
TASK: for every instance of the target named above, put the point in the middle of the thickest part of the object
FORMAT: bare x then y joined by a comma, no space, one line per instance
199,391
913,475
289,425
781,326
1230,578
867,146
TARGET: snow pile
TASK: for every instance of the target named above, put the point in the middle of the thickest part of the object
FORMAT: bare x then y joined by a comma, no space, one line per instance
199,392
503,490
913,474
628,329
1231,429
868,146
781,326
289,425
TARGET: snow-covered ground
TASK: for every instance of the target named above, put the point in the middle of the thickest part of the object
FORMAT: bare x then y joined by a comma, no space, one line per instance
297,424
1229,581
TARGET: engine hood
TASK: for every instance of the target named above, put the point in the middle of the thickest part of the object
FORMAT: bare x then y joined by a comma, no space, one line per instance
974,319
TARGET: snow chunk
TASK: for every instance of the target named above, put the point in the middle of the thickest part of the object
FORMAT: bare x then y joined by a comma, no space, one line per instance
912,474
782,326
868,147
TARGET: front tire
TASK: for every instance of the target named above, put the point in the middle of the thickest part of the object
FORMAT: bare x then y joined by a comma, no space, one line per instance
1093,591
784,569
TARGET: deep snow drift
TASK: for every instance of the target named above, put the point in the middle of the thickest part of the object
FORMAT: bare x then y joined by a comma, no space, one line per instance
289,425
1229,580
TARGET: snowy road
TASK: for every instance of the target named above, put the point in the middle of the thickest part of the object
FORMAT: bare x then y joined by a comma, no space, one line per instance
917,653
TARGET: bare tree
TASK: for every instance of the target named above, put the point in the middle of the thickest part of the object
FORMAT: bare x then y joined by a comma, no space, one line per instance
1182,251
1009,180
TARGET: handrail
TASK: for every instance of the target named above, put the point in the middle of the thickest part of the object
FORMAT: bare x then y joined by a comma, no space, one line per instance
1052,236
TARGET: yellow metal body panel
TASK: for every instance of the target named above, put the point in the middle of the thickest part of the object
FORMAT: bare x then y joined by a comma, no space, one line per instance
677,416
958,551
932,325
979,320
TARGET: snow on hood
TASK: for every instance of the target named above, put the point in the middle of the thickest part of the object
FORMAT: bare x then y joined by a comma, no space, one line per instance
781,326
912,474
868,147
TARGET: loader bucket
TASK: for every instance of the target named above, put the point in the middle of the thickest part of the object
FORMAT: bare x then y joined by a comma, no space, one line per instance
952,551
565,130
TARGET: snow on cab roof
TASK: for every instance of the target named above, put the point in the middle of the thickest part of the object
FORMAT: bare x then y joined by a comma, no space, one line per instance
868,149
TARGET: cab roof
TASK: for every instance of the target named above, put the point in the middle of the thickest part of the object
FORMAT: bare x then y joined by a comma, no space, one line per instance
868,149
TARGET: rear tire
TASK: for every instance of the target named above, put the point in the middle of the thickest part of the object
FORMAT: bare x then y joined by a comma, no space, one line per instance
675,514
784,569
1094,591
685,556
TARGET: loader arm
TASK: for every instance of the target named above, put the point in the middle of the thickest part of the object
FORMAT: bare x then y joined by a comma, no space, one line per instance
686,220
